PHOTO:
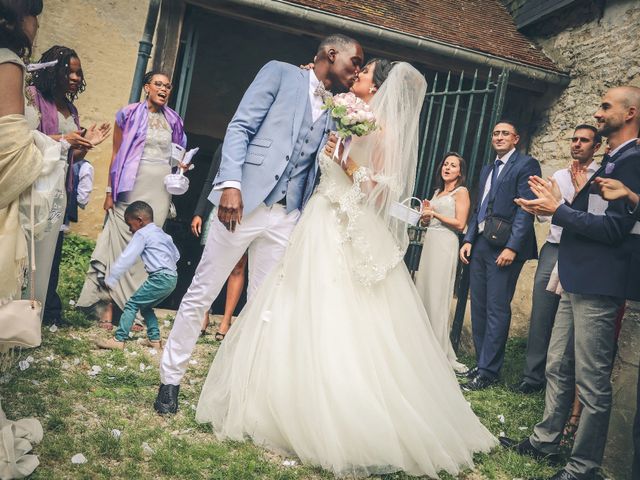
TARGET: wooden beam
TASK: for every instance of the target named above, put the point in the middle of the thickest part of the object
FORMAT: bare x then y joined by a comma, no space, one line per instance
168,34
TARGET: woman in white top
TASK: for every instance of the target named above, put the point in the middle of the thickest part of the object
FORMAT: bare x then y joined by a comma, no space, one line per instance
50,109
446,214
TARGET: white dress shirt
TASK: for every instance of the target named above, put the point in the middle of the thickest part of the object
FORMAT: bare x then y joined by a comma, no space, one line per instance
85,184
316,110
617,149
563,179
487,184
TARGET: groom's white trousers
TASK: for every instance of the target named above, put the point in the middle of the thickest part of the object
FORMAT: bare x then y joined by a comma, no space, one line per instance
265,234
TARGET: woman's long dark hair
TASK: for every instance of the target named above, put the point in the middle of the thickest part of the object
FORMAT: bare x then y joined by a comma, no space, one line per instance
12,13
46,80
462,180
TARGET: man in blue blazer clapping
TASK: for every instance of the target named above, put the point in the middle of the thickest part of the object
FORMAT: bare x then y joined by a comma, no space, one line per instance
599,267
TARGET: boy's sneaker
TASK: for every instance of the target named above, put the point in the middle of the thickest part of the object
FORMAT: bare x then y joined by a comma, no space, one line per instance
109,344
155,344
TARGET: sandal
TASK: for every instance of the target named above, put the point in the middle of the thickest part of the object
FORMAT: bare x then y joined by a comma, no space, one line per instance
219,336
106,325
204,332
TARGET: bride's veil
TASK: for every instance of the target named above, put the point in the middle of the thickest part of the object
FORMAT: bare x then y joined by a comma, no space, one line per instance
391,154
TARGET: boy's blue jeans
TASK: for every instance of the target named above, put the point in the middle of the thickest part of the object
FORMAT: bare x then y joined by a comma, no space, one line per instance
156,288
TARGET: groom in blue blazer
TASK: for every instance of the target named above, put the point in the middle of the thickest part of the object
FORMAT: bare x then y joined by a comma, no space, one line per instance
267,173
494,269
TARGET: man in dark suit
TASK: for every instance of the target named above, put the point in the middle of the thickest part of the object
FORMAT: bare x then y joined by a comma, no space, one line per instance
598,265
496,265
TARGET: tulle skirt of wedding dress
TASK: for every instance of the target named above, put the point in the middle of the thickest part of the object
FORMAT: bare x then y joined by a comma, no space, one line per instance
341,375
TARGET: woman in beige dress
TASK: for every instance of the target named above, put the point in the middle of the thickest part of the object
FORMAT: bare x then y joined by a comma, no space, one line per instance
446,215
142,142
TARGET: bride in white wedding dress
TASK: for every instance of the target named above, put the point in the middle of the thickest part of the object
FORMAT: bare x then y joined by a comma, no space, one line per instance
334,360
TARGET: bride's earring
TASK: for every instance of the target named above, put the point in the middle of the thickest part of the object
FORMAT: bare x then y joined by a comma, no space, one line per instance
372,89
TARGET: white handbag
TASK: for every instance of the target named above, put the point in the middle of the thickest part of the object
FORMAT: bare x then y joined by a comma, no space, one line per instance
20,324
404,212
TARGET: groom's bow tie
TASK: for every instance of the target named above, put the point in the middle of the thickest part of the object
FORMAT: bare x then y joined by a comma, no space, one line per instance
322,92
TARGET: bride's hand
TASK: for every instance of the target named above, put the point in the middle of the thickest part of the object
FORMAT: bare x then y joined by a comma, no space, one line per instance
330,147
308,66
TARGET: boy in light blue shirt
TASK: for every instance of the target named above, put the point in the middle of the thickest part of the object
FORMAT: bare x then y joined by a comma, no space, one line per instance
159,255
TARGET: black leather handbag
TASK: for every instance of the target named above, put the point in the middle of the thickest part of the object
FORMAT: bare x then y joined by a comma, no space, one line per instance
497,231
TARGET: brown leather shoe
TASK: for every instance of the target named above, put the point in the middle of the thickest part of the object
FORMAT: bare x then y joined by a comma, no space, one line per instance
109,344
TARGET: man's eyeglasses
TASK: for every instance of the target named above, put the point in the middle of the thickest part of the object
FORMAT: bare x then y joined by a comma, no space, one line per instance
158,84
503,133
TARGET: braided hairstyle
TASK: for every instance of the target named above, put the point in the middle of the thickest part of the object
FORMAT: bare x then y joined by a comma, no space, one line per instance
46,80
12,13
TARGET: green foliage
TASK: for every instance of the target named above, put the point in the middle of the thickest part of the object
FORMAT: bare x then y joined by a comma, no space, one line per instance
76,253
79,411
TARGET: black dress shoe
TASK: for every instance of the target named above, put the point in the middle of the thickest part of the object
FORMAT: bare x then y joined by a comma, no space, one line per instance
528,388
472,373
525,448
563,475
479,382
167,399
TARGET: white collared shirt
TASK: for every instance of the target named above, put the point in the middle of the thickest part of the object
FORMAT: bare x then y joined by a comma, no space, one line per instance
487,184
315,101
617,149
504,159
563,179
316,110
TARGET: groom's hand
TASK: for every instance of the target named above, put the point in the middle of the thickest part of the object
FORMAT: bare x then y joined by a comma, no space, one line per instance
230,208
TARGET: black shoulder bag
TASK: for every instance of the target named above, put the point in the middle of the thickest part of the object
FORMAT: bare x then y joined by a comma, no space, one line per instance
496,230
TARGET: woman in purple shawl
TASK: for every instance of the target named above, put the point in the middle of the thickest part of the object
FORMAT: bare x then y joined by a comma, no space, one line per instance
50,109
142,140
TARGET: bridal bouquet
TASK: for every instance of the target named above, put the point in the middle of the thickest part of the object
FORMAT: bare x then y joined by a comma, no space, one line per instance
352,115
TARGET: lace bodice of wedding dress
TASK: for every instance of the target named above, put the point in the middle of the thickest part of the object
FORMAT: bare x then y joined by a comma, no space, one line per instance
366,237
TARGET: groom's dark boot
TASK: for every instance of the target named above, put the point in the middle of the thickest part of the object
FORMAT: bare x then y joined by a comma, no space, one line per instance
167,399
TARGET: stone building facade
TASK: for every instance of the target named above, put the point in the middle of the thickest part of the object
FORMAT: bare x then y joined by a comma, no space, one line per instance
598,47
105,35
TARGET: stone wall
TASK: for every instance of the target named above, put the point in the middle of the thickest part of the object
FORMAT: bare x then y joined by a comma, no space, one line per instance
599,49
105,34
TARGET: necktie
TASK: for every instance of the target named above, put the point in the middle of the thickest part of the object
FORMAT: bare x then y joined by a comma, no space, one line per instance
606,159
482,213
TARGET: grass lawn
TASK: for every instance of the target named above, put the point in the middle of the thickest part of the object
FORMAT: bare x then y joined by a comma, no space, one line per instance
80,411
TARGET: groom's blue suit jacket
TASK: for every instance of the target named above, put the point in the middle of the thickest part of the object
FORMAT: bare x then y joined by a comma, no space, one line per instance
262,134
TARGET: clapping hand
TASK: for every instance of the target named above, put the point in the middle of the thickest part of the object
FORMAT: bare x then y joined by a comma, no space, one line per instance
76,140
611,189
549,197
96,135
427,212
578,175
